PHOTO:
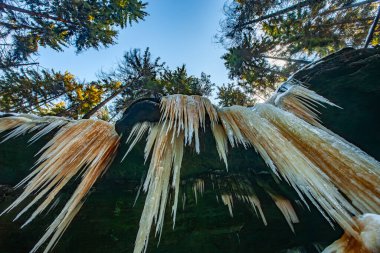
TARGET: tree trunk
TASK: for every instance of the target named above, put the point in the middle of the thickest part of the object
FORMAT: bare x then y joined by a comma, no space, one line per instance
275,14
32,13
372,29
287,59
105,101
101,104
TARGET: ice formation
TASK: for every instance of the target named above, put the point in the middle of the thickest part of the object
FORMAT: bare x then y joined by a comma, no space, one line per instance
182,118
338,178
84,147
324,163
198,188
240,189
368,241
286,209
24,123
315,162
232,188
300,101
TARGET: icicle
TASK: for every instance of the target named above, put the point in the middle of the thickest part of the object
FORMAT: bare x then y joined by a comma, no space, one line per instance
181,118
302,102
166,161
183,201
137,132
22,124
368,241
8,123
177,161
318,247
198,187
84,147
241,189
228,201
221,142
285,158
286,209
354,172
188,114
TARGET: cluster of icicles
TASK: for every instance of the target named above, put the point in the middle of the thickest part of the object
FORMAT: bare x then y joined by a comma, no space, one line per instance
237,188
338,178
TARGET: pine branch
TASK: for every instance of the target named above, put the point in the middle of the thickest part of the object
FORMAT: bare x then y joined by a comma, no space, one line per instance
33,13
300,61
301,5
348,7
275,14
12,65
15,27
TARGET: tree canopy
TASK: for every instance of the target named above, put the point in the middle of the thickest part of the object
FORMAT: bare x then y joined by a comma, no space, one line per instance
229,95
50,93
137,75
29,24
268,40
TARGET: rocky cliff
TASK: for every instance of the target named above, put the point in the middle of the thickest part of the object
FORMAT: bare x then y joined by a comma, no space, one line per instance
108,221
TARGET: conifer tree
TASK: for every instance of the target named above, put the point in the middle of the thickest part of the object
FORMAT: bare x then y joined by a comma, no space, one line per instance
137,75
268,40
30,24
229,95
50,93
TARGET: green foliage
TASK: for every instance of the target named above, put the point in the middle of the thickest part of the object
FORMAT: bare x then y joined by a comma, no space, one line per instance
230,95
49,93
137,75
179,82
23,91
268,40
141,75
254,73
29,24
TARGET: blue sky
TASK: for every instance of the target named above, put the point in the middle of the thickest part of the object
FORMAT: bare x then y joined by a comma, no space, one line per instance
177,31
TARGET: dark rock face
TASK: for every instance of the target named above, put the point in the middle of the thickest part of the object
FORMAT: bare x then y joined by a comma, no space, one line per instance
351,79
139,111
108,222
6,192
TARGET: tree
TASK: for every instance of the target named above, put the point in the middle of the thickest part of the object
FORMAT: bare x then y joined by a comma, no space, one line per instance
179,82
136,75
141,75
21,91
49,93
229,95
252,69
249,15
268,40
28,24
